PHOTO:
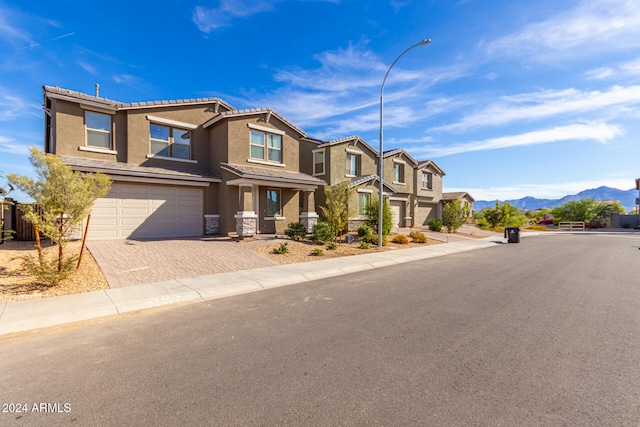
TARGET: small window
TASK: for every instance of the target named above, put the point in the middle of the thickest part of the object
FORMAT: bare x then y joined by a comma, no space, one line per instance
318,162
98,130
262,143
353,164
273,202
427,181
363,201
169,142
399,172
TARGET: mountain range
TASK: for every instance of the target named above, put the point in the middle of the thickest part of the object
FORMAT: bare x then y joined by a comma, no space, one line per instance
627,198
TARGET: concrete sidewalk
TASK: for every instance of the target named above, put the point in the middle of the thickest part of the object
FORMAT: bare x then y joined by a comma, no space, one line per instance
29,315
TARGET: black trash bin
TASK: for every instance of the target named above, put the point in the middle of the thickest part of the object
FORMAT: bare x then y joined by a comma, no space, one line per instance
512,234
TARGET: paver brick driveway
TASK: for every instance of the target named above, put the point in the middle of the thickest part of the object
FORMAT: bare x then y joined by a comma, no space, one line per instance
134,262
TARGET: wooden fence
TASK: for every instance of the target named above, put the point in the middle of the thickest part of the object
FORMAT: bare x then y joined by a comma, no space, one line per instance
571,226
13,220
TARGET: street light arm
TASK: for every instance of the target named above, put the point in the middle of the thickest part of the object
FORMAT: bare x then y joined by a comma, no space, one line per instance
423,42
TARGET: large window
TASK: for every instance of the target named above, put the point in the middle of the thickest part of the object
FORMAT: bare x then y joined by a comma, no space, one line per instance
399,172
363,202
170,142
98,129
353,164
427,181
273,202
318,162
266,146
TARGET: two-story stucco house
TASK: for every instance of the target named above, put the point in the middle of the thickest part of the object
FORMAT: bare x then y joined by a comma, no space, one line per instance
185,167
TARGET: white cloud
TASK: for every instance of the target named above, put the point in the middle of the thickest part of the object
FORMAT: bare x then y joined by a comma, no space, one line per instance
12,106
9,31
544,104
8,145
592,25
213,18
600,73
600,132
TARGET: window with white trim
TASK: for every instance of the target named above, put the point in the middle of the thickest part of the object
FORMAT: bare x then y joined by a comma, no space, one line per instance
427,181
363,201
265,146
318,162
353,164
169,141
98,128
398,172
274,207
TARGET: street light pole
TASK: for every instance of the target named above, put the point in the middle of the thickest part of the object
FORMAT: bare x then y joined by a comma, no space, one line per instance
381,168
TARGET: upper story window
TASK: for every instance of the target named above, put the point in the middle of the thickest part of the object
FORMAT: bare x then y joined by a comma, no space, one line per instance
98,129
266,146
398,169
353,164
427,181
318,162
170,142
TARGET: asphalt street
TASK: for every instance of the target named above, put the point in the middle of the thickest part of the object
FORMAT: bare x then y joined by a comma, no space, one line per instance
544,332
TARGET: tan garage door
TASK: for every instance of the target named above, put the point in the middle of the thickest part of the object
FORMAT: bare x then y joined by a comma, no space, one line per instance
139,211
425,212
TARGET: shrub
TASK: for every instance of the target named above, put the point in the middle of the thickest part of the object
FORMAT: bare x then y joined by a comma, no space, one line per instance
537,228
400,239
364,230
372,210
418,237
332,246
435,225
322,233
282,249
47,271
296,230
365,245
317,252
373,239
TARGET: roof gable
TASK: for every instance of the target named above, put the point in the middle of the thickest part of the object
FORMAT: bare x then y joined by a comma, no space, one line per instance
430,164
399,152
254,112
348,139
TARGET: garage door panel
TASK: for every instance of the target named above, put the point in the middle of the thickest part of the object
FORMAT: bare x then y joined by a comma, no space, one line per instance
147,211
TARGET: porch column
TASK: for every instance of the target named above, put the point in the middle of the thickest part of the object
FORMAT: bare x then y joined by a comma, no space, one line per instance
308,216
246,218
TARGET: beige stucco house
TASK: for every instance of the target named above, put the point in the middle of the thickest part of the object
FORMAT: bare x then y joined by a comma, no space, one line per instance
184,167
198,166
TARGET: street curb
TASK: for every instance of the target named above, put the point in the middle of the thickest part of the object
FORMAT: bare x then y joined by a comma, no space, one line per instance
36,314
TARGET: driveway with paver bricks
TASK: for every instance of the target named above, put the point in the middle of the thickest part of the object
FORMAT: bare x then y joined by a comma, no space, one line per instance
134,262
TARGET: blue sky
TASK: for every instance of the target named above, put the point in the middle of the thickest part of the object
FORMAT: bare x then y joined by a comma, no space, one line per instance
511,98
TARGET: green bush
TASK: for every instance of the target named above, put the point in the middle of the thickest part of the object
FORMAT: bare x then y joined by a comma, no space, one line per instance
435,225
365,245
322,233
373,239
282,249
296,230
418,237
332,246
364,230
317,252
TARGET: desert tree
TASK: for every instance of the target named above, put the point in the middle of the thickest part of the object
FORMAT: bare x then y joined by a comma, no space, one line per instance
64,198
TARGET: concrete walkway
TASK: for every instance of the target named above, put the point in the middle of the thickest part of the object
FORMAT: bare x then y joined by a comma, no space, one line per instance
29,315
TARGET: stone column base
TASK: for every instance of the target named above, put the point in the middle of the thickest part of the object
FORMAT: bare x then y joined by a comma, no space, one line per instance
246,223
309,219
212,224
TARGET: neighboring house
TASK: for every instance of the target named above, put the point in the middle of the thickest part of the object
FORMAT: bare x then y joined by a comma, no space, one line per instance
399,169
198,166
351,159
185,167
465,199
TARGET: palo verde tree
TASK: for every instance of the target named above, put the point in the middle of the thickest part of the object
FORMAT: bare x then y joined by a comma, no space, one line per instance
589,210
64,198
453,216
336,210
371,211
